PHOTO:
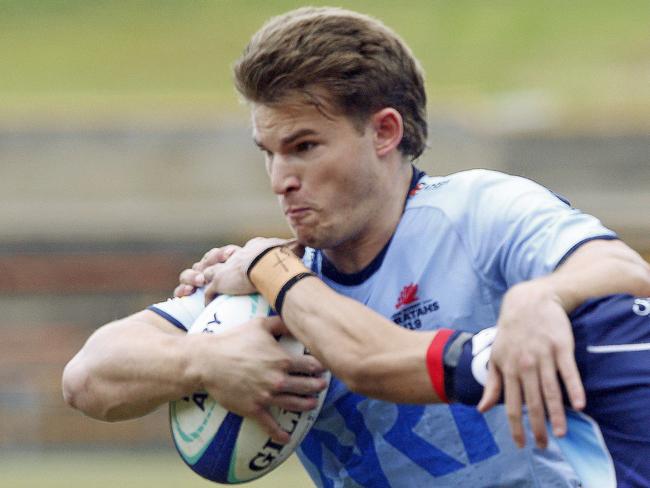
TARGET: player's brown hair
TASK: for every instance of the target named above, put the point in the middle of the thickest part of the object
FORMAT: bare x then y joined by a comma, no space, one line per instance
340,59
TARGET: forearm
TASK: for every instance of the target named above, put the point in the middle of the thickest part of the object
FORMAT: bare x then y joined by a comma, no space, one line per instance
371,354
368,352
596,269
127,369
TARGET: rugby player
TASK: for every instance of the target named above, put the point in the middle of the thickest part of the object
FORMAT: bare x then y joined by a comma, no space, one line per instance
338,109
608,448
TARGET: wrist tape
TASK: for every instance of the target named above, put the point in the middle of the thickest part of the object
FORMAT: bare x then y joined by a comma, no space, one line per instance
274,272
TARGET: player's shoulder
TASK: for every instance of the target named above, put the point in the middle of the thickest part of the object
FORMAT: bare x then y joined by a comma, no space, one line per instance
458,191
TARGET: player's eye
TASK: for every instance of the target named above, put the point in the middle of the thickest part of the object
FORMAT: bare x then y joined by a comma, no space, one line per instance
305,146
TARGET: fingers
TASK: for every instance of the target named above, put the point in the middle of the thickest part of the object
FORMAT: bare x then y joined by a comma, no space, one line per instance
274,325
210,292
571,378
214,256
299,364
189,280
553,398
533,398
206,267
527,378
306,364
209,272
191,277
492,391
183,291
513,409
199,274
271,427
295,403
302,385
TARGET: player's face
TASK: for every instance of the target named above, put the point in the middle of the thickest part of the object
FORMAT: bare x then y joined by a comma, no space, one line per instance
324,171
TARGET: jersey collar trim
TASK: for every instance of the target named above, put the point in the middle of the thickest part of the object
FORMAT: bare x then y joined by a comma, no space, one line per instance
351,279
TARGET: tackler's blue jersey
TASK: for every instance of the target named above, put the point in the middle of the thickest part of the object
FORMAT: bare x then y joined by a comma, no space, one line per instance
612,350
462,241
613,354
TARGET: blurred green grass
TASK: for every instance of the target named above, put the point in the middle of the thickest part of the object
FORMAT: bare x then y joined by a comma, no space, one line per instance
171,54
123,469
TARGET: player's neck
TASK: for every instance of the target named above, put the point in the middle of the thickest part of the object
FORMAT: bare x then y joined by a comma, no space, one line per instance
358,252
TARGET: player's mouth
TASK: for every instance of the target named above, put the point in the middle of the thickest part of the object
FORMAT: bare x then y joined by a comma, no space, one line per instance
296,214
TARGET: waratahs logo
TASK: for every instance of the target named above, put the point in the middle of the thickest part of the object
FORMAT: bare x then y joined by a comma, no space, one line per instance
409,294
426,186
414,191
410,309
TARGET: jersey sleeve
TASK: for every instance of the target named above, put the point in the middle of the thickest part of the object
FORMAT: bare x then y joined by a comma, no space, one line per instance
181,312
517,230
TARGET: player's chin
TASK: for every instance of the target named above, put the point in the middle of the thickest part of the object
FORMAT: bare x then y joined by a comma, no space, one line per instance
307,237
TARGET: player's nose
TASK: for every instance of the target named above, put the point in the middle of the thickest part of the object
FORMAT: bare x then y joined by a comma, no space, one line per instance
284,177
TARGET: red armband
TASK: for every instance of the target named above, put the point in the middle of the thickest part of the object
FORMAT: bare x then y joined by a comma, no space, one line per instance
435,364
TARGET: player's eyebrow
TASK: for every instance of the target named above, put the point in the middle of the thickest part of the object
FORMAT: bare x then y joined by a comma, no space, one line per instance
297,135
288,139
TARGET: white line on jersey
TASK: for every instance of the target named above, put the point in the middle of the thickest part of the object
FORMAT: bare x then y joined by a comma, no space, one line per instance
644,346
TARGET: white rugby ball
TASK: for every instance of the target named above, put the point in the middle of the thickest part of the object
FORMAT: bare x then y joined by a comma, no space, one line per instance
216,443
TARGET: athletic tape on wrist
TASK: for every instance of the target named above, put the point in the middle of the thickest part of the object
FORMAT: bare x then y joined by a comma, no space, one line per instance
274,272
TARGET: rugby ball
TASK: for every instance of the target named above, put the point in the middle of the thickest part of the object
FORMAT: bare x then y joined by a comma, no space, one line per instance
217,444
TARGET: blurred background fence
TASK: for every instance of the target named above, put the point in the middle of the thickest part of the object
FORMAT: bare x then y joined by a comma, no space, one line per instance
124,154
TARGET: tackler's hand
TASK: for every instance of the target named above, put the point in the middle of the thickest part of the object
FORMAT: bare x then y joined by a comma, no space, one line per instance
533,349
192,278
230,276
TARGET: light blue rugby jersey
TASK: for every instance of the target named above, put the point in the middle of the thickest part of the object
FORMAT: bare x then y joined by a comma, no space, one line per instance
463,240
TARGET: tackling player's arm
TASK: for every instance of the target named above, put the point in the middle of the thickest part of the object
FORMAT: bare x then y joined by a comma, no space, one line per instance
528,369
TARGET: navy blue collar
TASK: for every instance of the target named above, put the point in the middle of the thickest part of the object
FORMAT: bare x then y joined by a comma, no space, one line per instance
352,279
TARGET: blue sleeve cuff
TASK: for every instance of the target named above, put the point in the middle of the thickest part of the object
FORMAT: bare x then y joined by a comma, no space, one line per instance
167,317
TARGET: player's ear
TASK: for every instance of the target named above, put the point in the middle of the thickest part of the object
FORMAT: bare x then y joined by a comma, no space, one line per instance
388,127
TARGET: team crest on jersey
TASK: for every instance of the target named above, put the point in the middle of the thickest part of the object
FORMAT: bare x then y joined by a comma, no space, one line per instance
424,186
410,309
408,295
414,191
